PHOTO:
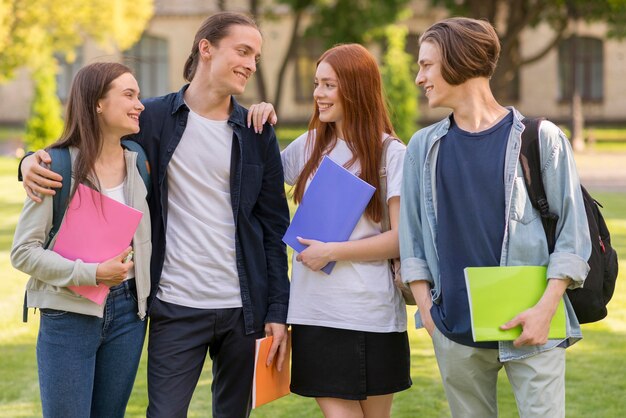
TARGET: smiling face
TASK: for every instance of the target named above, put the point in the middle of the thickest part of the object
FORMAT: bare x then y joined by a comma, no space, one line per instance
326,95
232,61
120,107
429,77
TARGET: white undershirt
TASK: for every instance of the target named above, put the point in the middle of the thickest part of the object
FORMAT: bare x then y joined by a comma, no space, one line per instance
357,295
117,193
199,269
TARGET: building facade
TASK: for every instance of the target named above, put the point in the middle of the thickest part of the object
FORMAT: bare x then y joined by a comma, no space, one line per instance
541,89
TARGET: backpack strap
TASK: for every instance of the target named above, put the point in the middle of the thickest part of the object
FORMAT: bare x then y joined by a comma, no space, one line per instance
530,161
143,165
384,220
61,164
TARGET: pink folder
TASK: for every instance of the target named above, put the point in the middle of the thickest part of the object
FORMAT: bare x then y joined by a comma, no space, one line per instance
95,228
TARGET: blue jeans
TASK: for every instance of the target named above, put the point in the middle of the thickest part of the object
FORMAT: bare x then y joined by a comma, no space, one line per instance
87,365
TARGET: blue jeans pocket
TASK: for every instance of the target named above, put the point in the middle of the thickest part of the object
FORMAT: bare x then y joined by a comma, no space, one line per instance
52,313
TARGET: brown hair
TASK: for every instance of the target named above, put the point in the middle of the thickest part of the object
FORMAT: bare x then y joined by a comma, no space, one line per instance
82,128
365,120
469,48
213,29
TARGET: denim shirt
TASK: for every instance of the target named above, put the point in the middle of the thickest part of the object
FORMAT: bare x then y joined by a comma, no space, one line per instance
524,240
258,203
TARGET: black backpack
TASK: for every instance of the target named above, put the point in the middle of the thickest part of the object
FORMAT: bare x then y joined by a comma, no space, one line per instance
590,301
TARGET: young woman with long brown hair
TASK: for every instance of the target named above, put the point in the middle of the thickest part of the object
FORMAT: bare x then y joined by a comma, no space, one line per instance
350,346
88,354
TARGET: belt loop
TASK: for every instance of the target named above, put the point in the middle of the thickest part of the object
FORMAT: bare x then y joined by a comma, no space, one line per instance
129,286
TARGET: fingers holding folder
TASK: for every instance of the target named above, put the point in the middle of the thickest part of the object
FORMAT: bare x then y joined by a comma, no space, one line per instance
536,321
114,270
270,382
279,344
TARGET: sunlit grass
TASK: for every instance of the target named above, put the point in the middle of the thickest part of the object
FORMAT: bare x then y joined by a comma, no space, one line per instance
596,366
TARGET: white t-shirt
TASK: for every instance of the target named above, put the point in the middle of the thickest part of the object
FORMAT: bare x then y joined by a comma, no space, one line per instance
117,193
200,270
357,295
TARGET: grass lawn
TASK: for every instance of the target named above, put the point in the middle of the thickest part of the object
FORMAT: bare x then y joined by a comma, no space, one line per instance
286,134
11,133
595,367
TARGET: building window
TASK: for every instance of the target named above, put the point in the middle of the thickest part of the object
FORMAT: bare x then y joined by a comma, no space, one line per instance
581,61
66,73
307,55
149,58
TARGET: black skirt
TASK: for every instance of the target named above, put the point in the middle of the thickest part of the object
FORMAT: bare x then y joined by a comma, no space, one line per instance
346,364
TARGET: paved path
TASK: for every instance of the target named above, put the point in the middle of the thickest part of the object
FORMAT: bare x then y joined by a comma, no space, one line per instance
602,171
599,171
8,147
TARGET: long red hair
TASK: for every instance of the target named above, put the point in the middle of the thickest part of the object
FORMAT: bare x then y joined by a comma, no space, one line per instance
365,120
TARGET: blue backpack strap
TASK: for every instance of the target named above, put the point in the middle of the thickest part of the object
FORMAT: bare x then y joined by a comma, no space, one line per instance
61,164
143,165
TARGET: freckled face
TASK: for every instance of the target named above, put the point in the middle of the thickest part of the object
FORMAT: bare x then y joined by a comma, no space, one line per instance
326,95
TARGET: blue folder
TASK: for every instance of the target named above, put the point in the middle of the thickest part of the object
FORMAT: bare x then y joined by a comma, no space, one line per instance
330,208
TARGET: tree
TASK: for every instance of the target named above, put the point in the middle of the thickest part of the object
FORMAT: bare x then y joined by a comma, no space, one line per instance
400,89
518,15
33,31
337,21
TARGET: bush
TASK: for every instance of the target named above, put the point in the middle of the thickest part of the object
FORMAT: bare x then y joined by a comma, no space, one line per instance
45,124
398,74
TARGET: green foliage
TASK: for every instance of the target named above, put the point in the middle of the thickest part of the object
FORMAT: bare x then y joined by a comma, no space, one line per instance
299,5
286,134
344,21
331,22
511,18
585,9
33,31
45,124
5,19
534,12
398,71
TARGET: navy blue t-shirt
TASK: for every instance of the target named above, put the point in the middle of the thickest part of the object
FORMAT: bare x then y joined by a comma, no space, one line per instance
470,218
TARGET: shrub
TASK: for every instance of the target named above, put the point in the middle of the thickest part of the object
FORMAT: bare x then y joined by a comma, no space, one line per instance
398,74
45,124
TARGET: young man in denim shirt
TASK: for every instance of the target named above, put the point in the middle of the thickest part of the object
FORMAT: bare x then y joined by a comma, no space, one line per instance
464,204
219,267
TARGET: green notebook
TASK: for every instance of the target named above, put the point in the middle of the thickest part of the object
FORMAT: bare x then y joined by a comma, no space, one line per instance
497,294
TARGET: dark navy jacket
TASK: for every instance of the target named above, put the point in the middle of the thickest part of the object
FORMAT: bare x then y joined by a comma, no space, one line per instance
258,202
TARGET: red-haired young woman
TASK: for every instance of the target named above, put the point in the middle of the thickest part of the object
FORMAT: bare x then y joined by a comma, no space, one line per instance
350,346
